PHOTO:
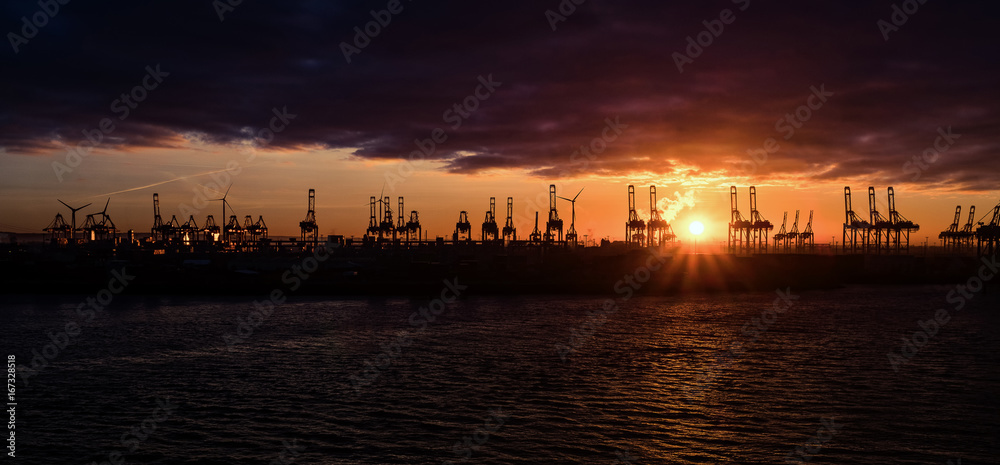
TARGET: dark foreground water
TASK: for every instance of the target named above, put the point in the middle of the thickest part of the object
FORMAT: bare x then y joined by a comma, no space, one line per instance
157,381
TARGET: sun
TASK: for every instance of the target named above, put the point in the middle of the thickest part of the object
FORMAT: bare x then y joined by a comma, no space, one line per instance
696,228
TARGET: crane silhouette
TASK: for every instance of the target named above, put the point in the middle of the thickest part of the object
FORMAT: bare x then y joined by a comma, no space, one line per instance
224,203
571,234
72,233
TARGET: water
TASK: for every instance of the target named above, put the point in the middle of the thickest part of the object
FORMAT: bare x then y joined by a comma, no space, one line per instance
484,382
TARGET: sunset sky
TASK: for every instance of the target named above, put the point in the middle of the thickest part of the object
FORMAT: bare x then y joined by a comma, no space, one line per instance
606,78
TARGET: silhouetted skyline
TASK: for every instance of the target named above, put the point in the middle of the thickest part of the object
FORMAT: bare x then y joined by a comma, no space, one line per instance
836,98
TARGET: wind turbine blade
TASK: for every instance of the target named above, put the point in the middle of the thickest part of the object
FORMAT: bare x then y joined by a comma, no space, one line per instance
64,203
578,194
85,206
106,206
227,190
564,198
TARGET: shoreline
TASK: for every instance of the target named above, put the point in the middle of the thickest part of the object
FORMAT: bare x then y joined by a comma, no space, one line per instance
487,270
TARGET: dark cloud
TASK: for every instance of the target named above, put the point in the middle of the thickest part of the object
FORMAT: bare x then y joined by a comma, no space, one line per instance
607,60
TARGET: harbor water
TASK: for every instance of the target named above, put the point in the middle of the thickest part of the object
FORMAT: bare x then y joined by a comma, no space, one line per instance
853,375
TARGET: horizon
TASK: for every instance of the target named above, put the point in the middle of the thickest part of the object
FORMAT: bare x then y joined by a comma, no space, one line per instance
690,98
321,332
601,208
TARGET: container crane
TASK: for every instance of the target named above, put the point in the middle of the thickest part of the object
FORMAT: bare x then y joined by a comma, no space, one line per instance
950,237
899,227
967,235
536,235
509,231
309,230
491,232
760,227
635,228
554,225
660,232
463,228
739,227
793,234
855,235
571,236
781,236
988,234
806,237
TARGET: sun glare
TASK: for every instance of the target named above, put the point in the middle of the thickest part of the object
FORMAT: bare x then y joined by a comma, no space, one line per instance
696,228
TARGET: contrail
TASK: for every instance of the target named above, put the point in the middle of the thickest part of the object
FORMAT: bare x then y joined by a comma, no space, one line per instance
159,183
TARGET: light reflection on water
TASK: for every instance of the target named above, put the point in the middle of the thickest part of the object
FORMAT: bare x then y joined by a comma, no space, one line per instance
652,383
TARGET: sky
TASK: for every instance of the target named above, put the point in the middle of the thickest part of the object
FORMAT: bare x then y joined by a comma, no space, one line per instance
449,103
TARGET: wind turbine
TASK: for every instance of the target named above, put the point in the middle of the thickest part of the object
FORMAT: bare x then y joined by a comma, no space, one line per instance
224,202
72,233
377,225
102,229
105,218
378,200
571,234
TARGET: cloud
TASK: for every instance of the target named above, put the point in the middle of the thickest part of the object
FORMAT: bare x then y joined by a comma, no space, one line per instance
606,60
